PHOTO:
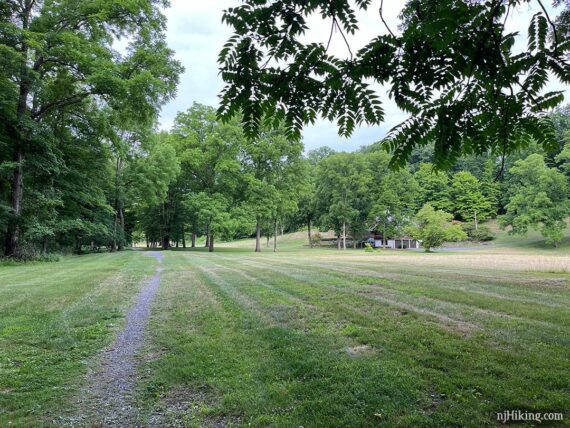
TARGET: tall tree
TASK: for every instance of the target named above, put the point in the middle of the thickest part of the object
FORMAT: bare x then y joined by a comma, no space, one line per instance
395,195
469,203
539,200
208,151
275,177
213,210
308,202
150,174
59,61
435,187
343,193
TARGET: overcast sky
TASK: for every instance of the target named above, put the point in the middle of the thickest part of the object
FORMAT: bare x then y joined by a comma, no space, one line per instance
196,34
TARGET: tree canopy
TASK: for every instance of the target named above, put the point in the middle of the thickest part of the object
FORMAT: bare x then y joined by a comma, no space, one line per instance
451,66
84,166
64,84
539,199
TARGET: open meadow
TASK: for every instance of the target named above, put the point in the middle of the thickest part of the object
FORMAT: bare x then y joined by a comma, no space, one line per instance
301,337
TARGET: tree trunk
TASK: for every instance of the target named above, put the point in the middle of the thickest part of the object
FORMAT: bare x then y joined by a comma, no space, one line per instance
119,218
344,236
267,241
122,227
183,237
309,231
274,236
11,239
211,243
338,241
193,239
282,230
167,208
207,236
257,237
17,184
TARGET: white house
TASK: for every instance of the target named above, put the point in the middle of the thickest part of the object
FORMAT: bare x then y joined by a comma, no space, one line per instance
397,242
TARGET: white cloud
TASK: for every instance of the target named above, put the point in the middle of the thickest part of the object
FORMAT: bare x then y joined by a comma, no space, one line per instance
196,33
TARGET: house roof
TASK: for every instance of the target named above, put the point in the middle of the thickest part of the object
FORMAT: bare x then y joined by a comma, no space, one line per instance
406,237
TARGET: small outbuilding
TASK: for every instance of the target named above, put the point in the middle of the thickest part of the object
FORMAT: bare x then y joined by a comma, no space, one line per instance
396,242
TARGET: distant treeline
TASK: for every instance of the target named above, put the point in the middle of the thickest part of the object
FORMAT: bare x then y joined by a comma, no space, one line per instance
204,179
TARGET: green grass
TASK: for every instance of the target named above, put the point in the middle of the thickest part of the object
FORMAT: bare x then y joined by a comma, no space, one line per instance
53,318
322,338
302,337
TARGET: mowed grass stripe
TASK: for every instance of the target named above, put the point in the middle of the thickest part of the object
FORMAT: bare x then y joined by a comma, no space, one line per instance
420,264
506,284
506,331
438,360
324,290
271,365
444,291
334,288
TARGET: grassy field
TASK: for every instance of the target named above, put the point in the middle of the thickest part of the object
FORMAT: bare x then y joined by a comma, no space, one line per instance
53,318
302,337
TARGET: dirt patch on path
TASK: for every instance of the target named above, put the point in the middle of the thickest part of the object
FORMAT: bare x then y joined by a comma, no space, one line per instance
108,398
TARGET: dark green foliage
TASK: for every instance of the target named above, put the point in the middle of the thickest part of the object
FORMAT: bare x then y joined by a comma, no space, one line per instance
480,233
71,113
436,188
343,188
562,21
469,202
539,200
226,185
452,68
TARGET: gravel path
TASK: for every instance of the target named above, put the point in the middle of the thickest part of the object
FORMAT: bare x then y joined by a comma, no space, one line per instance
109,394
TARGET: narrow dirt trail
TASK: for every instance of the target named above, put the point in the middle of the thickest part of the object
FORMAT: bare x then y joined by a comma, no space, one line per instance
108,399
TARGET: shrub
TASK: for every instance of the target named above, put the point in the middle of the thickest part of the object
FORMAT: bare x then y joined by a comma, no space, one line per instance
482,233
433,227
455,233
30,253
368,247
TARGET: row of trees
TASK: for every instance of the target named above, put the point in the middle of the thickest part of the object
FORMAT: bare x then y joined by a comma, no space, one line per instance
230,187
205,179
81,84
355,190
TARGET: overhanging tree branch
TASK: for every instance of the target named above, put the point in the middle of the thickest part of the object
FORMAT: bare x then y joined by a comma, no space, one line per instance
73,99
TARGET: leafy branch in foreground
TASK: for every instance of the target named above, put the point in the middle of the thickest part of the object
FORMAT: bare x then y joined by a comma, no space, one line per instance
452,67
